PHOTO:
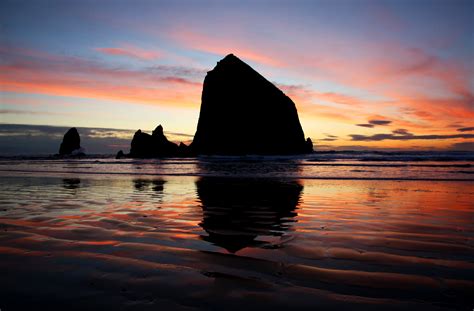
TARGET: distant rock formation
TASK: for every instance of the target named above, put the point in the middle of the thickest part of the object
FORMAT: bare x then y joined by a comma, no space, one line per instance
243,113
120,155
309,145
71,144
155,145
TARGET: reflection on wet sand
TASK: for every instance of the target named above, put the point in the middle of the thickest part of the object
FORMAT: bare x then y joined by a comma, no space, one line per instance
109,243
237,210
153,186
249,167
71,183
157,185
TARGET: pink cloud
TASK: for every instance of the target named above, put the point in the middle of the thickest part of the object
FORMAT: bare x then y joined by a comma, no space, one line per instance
51,74
130,51
222,46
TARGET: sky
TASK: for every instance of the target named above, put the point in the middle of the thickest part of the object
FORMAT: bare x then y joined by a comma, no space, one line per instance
363,74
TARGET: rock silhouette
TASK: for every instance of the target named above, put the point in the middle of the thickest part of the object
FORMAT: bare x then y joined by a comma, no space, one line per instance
71,144
236,211
155,145
243,113
120,155
309,145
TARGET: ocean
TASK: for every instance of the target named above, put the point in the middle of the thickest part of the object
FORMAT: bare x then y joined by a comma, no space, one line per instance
328,231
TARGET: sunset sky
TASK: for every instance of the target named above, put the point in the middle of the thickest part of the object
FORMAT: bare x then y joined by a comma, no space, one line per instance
372,74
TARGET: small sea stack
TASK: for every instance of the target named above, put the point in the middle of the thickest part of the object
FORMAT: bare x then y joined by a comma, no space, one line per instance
155,145
71,144
120,155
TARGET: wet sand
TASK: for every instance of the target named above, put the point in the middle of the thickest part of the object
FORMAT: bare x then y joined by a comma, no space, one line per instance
190,243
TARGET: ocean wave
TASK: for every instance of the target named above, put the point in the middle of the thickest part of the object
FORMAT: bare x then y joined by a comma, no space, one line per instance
374,176
318,156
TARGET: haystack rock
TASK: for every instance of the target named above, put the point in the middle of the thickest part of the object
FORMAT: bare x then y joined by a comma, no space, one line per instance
243,113
155,145
71,144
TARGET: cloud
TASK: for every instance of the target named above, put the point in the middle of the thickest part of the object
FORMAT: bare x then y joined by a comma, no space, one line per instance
179,71
380,137
130,51
466,129
180,134
463,146
366,125
33,71
373,123
31,112
305,91
402,132
379,122
191,39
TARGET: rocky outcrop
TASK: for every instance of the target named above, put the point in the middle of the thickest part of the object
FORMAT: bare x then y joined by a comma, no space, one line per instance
155,145
120,155
309,145
184,150
71,144
243,113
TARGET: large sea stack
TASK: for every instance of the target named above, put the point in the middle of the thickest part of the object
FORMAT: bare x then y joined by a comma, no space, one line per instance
71,144
244,113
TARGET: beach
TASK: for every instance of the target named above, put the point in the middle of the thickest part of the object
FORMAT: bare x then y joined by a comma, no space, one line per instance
209,234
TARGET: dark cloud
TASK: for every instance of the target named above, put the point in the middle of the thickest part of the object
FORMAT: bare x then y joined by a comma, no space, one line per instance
379,137
464,146
380,122
366,125
330,136
328,139
179,134
402,132
455,125
373,123
466,129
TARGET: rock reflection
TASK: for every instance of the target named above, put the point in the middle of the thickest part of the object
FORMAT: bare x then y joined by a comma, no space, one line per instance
249,167
71,183
154,186
237,210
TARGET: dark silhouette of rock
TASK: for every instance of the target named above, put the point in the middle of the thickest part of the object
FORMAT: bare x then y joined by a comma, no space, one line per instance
309,145
155,145
243,113
71,144
184,150
120,155
238,210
